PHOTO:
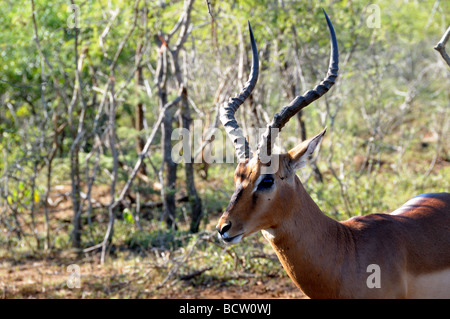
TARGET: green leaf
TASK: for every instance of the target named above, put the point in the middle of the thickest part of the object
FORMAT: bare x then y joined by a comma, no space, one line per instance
128,216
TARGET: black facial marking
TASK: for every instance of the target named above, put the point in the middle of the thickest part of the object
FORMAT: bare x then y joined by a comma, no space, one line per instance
236,195
254,198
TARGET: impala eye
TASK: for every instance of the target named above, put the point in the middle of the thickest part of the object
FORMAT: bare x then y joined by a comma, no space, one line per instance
266,183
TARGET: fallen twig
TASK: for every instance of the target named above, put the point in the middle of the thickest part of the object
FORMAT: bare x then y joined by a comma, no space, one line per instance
195,273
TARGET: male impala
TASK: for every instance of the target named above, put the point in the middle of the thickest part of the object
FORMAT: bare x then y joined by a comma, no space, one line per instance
410,247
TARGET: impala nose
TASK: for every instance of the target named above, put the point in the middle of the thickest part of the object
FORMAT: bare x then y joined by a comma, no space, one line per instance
222,230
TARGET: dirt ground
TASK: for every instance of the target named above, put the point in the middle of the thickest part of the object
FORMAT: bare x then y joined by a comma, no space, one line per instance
46,276
49,278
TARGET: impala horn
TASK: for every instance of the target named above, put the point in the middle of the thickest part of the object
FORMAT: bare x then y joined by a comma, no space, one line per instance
227,112
280,119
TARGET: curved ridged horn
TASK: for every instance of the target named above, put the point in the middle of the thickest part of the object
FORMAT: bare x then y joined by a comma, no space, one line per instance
229,109
280,119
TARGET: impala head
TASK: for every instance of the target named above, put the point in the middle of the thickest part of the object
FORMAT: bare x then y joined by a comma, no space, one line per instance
262,195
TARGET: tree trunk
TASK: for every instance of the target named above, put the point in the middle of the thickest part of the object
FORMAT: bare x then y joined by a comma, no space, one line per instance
139,110
169,166
301,125
76,198
194,199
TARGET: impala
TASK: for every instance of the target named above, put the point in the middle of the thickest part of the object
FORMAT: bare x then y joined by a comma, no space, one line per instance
325,258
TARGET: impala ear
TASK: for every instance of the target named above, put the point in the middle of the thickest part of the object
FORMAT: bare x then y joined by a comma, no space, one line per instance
299,155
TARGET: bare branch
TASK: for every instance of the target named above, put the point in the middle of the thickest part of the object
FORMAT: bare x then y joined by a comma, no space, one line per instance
145,150
41,53
208,3
440,47
124,41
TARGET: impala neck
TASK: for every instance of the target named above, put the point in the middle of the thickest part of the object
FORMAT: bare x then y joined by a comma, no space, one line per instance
309,244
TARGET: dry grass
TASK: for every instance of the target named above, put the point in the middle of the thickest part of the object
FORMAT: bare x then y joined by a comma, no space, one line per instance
199,266
135,278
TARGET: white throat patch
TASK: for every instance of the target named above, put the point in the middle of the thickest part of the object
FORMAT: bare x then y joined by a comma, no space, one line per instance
268,234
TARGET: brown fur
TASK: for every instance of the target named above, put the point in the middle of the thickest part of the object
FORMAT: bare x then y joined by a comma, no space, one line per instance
329,259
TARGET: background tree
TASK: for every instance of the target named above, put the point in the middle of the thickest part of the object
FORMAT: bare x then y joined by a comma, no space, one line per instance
90,92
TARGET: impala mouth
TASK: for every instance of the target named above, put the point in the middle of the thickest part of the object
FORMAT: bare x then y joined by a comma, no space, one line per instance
230,240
